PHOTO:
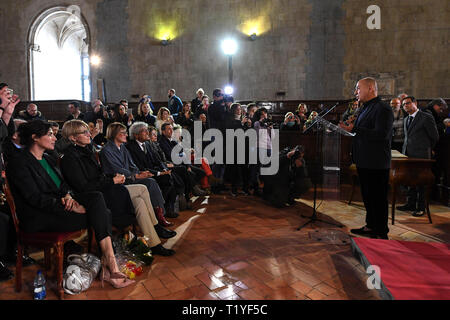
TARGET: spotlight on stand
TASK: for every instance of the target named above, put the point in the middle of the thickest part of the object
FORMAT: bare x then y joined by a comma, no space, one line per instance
229,90
229,47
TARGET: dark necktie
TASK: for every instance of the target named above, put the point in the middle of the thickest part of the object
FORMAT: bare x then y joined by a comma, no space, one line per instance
408,122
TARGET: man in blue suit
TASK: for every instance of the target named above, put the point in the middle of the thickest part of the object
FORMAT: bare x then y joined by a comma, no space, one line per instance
371,152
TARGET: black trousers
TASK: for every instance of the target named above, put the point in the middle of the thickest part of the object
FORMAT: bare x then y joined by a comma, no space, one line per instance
97,216
183,180
374,190
416,197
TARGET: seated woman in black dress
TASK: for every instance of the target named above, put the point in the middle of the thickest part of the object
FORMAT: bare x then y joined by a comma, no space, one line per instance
83,172
45,203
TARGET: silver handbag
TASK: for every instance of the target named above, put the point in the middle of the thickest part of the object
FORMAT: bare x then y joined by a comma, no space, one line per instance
80,273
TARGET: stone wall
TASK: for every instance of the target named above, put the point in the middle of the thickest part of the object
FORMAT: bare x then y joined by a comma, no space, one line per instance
308,49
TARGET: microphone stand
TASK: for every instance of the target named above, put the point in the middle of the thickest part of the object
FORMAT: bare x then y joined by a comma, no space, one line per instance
313,218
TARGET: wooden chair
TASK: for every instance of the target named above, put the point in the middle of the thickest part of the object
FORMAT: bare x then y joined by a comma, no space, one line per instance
44,240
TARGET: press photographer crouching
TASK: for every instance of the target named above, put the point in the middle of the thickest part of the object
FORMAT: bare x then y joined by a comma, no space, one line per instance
291,181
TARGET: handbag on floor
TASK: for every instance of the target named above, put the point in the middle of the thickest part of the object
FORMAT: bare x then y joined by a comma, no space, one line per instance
80,273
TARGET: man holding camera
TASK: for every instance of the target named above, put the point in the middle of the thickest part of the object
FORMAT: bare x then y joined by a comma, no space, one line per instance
290,182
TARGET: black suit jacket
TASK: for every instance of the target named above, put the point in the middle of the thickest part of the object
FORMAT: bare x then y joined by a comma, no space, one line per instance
421,137
144,161
166,146
35,194
82,171
371,148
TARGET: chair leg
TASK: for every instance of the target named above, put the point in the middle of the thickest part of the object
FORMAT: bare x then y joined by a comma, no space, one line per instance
394,190
19,263
427,205
59,248
48,260
353,190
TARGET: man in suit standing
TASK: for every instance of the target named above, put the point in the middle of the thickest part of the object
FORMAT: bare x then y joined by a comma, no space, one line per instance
371,152
421,135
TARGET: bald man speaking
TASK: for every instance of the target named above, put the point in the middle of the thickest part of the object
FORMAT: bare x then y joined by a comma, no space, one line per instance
371,152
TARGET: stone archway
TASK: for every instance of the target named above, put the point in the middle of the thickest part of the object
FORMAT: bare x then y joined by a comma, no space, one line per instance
58,52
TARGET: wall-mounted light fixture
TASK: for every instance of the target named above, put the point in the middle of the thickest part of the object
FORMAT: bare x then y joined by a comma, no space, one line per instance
253,37
165,42
95,60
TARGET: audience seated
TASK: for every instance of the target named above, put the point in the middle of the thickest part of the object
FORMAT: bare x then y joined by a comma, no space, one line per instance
46,204
167,144
121,115
143,158
186,118
145,113
197,101
163,117
82,171
31,113
75,112
115,158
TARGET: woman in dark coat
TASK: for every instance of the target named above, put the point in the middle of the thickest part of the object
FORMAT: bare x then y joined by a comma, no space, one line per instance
46,204
83,172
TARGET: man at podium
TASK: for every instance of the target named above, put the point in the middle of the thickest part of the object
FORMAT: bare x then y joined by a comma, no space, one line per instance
371,152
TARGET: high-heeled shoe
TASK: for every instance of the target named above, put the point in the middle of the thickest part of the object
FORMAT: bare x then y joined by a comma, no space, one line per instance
107,276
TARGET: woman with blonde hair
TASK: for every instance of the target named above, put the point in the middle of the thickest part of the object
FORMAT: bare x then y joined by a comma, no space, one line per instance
145,114
82,171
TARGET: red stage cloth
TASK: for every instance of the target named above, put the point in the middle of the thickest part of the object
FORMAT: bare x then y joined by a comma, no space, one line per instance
410,270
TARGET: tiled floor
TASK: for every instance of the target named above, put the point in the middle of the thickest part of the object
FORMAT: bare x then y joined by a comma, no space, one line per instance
241,248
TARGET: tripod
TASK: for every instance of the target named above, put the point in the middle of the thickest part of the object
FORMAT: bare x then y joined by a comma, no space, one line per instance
314,218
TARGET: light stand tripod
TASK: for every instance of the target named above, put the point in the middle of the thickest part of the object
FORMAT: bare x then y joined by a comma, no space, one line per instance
314,218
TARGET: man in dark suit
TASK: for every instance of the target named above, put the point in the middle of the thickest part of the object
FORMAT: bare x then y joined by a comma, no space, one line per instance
144,160
371,152
167,145
421,135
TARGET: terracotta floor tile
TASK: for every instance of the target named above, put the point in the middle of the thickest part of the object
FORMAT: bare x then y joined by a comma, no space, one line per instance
316,295
250,294
280,282
301,287
180,295
244,249
209,280
199,290
237,266
325,289
228,291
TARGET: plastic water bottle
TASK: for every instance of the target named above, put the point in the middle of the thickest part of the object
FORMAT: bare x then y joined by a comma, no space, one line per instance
39,286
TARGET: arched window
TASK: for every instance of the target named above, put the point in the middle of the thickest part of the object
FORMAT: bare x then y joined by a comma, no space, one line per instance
58,47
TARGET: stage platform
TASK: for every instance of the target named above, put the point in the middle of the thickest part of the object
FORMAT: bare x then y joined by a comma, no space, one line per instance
408,270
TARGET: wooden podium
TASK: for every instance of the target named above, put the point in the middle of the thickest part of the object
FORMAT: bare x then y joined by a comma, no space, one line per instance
405,171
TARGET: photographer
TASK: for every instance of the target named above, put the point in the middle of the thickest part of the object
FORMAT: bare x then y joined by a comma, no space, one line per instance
290,182
291,122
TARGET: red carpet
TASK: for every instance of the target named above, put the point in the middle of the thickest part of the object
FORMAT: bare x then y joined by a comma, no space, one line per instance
409,270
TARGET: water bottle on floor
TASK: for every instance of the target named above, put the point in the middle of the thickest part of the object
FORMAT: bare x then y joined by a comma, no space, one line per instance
39,286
